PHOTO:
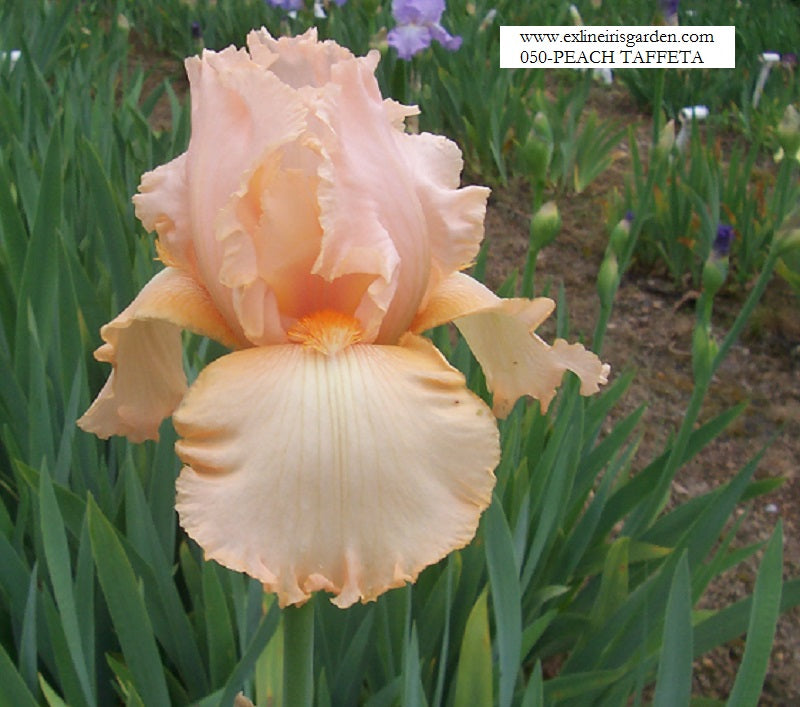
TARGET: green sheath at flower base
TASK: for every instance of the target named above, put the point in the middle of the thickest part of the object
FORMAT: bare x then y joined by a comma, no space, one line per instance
704,349
545,225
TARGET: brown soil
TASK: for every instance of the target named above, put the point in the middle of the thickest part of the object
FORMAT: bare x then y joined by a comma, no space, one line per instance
650,331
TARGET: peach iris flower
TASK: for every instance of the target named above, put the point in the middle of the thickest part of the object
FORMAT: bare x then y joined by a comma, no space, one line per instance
335,448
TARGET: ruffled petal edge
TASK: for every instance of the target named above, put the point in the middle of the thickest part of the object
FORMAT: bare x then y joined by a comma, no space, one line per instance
143,344
501,335
347,473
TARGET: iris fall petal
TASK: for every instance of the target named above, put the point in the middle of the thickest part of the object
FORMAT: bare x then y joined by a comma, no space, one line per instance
143,344
500,332
347,472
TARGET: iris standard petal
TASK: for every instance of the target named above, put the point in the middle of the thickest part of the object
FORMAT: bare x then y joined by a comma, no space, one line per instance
454,215
297,61
162,205
417,11
372,220
241,114
270,236
143,344
397,113
348,471
500,332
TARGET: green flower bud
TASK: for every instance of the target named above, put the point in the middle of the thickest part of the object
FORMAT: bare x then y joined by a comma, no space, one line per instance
537,150
666,141
788,132
715,270
536,156
619,237
545,225
608,280
541,127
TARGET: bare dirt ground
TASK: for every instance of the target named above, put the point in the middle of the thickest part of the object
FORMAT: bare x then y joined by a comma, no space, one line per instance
650,331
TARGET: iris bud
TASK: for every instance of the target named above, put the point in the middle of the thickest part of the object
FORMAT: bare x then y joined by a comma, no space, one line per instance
608,280
545,225
666,141
715,269
619,236
788,132
537,151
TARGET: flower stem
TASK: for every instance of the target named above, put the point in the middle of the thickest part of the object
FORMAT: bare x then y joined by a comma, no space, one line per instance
645,514
298,655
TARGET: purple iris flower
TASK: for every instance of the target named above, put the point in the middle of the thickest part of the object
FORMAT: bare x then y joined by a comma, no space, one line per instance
670,10
722,243
296,4
418,24
287,4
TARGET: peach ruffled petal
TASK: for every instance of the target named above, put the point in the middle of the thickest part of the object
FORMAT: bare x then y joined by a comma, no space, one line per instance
143,344
397,113
298,61
347,473
454,215
371,216
500,333
162,205
270,237
242,116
